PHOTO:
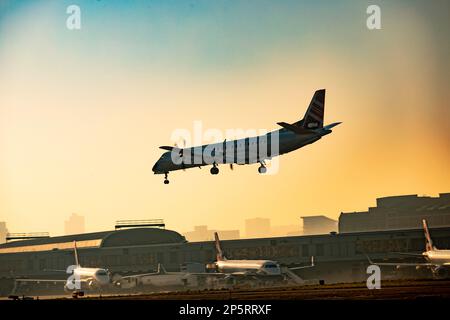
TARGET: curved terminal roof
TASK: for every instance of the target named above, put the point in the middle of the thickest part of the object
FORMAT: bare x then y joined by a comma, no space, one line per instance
118,238
141,237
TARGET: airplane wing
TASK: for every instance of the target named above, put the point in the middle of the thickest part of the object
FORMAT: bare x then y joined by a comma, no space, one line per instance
50,280
54,270
159,271
304,267
41,280
54,281
196,153
224,275
409,254
140,275
212,274
401,264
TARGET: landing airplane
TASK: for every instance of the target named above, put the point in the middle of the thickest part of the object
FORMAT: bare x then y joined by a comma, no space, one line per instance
250,150
438,260
248,267
92,277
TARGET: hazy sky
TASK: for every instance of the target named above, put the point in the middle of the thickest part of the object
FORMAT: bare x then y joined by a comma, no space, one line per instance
82,113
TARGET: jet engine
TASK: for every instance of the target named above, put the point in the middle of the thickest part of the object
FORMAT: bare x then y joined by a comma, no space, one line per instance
441,273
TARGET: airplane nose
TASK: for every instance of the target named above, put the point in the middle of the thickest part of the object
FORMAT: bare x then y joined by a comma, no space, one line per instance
155,167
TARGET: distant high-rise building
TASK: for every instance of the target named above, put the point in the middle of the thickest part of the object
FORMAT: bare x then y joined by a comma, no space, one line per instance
318,225
257,228
74,225
287,230
399,212
3,232
202,233
228,234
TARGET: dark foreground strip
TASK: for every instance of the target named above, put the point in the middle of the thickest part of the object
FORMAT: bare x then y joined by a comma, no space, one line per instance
190,309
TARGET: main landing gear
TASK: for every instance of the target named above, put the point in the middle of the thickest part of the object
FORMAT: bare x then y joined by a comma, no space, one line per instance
214,169
262,169
166,181
77,294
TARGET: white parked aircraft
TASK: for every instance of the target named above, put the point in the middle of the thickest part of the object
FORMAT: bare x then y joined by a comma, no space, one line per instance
248,267
225,269
79,277
250,150
438,261
159,279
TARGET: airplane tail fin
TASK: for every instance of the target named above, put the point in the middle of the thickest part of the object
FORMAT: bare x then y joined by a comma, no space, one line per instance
313,118
429,243
75,252
161,269
219,253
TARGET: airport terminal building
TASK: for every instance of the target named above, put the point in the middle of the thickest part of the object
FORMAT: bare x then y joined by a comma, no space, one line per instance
399,212
338,257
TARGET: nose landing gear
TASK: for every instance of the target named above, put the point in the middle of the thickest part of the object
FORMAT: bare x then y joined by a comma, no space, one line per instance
262,169
214,170
77,294
166,181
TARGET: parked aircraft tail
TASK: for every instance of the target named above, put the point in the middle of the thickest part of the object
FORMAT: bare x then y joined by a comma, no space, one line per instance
161,269
219,253
75,252
429,243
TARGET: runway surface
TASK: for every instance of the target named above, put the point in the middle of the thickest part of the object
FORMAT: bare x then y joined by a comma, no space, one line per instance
390,290
395,290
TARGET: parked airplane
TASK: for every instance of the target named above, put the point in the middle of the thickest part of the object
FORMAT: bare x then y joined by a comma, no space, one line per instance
79,277
248,267
438,260
250,150
224,269
159,279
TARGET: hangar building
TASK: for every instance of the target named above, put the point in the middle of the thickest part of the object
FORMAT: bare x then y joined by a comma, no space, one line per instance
339,257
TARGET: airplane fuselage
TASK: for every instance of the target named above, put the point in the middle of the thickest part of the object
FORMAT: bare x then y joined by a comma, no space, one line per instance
262,267
91,276
241,151
438,257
